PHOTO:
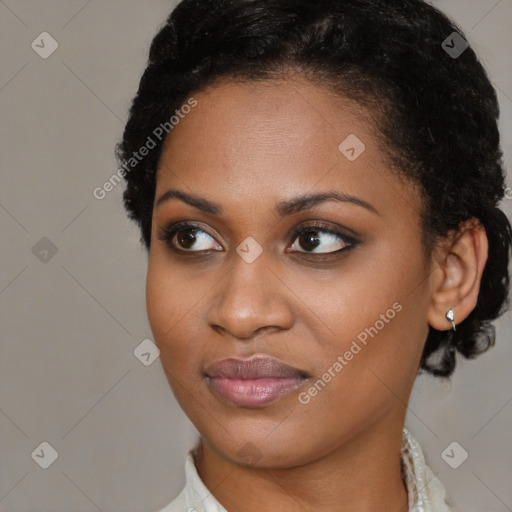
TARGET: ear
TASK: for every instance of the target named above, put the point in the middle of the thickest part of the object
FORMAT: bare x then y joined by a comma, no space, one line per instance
459,261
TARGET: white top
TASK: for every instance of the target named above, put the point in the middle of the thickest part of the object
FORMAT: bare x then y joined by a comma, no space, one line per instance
426,493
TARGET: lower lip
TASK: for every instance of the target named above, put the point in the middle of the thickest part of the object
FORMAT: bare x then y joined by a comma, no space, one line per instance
253,392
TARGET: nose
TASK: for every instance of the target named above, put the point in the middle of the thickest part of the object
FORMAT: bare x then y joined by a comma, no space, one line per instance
250,299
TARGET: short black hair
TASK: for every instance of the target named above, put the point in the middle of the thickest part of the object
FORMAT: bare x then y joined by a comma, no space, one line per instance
436,112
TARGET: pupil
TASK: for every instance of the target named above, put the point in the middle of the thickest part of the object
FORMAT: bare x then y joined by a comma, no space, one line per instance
187,237
309,240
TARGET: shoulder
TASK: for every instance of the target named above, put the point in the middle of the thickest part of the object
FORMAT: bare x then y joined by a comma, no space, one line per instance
177,505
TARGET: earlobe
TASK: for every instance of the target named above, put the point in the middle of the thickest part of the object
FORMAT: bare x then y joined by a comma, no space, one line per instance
460,261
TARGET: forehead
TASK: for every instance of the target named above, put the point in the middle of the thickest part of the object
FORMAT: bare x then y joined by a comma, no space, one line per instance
264,141
269,119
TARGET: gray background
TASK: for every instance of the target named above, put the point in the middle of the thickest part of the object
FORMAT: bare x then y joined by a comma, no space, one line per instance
70,324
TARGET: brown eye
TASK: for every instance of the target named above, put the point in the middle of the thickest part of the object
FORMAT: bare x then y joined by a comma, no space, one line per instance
187,238
192,239
318,241
309,240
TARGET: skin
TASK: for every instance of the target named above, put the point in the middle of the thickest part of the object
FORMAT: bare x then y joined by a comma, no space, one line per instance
248,147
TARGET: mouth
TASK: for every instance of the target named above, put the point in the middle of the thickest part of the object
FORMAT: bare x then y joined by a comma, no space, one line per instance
253,382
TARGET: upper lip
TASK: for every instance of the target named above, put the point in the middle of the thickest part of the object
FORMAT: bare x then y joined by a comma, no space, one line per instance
254,368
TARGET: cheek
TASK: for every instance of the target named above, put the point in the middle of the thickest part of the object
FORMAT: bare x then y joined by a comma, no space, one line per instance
365,292
168,301
373,315
170,310
162,308
176,307
365,367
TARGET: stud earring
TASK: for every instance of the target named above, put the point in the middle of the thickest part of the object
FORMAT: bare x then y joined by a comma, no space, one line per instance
451,317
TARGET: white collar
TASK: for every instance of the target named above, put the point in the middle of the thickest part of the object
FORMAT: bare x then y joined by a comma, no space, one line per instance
426,493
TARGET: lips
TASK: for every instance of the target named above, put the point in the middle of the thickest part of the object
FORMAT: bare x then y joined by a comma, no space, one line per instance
253,382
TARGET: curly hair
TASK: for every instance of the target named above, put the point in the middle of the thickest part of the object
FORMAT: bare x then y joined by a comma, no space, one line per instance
436,114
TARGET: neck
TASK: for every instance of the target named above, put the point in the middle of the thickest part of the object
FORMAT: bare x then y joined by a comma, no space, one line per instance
362,475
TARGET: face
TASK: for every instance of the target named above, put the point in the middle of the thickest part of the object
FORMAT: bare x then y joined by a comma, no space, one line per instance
287,282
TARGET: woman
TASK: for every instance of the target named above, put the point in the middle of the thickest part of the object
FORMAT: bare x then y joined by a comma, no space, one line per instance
317,184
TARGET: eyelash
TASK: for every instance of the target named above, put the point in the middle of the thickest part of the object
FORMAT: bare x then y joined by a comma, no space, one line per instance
166,234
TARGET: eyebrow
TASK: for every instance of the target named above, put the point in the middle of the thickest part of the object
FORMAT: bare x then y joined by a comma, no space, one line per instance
284,208
197,202
300,203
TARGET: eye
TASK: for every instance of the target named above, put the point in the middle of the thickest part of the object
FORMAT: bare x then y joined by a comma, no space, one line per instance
189,238
319,240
